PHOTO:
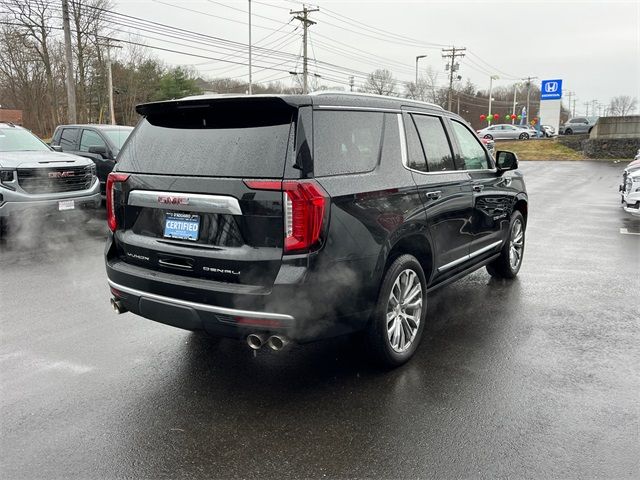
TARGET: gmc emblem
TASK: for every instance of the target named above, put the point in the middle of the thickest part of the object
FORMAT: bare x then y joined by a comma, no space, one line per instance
169,200
61,174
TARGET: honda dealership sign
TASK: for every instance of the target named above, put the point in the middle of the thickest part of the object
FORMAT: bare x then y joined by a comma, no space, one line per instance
550,103
551,90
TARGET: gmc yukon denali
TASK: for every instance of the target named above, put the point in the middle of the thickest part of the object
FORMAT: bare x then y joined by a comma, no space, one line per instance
285,218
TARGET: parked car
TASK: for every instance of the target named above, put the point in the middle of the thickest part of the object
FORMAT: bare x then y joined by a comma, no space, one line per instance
548,131
504,131
100,143
35,178
531,130
630,187
578,125
235,216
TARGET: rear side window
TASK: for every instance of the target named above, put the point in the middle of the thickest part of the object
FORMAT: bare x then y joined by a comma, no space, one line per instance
68,138
346,142
435,143
417,160
237,139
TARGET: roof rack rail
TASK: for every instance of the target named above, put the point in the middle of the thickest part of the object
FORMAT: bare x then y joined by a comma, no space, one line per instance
372,95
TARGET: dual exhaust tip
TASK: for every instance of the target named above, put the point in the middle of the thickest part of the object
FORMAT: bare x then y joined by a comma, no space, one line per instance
275,342
117,306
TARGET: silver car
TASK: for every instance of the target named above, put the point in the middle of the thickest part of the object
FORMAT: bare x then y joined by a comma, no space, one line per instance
504,131
37,180
533,133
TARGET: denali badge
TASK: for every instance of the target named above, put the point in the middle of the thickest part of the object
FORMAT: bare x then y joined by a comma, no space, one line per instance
169,200
220,270
61,174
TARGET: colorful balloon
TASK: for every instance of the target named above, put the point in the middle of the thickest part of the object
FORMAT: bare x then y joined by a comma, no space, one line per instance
513,117
519,117
496,116
483,116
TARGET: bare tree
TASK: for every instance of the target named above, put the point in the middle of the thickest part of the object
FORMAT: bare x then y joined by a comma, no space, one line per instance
380,82
34,21
622,105
418,91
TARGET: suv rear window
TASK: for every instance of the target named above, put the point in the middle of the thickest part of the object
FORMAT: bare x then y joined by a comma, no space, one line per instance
346,142
237,140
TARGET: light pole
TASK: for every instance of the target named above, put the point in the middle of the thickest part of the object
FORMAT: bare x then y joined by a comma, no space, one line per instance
250,79
418,58
491,79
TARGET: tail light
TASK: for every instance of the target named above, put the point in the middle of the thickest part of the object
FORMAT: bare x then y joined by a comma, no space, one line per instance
112,180
305,208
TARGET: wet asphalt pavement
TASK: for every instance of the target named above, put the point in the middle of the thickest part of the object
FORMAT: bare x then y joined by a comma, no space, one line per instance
535,378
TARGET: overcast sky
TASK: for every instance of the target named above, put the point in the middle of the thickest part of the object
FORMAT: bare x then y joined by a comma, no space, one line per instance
594,46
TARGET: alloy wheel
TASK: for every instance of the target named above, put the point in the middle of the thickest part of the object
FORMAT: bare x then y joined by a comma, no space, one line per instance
404,309
516,244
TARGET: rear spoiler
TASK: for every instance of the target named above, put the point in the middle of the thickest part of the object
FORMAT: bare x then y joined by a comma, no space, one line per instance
289,102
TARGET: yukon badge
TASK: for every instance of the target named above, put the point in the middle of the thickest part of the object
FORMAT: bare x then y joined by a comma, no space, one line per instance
171,200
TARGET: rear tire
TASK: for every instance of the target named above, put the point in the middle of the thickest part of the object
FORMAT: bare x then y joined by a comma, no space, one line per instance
488,136
508,264
396,326
568,131
524,136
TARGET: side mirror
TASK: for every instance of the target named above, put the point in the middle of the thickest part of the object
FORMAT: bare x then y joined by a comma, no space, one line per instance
506,161
98,150
56,148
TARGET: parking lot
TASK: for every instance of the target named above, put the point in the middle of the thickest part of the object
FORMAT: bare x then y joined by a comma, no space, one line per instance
535,378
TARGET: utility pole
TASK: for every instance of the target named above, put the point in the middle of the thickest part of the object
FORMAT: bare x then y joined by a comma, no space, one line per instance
352,81
452,53
108,46
570,95
528,79
71,85
303,16
458,111
513,112
586,105
594,102
491,79
250,80
574,107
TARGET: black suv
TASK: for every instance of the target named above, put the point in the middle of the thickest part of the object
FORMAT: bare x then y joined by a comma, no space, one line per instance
100,143
293,218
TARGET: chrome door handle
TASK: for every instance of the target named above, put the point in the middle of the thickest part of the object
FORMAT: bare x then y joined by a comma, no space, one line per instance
434,195
478,188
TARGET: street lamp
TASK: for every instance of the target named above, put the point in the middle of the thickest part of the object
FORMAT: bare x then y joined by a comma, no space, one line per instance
491,79
418,58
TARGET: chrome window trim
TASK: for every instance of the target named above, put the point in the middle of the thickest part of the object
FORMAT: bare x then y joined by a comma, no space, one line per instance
469,257
202,306
198,202
403,142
